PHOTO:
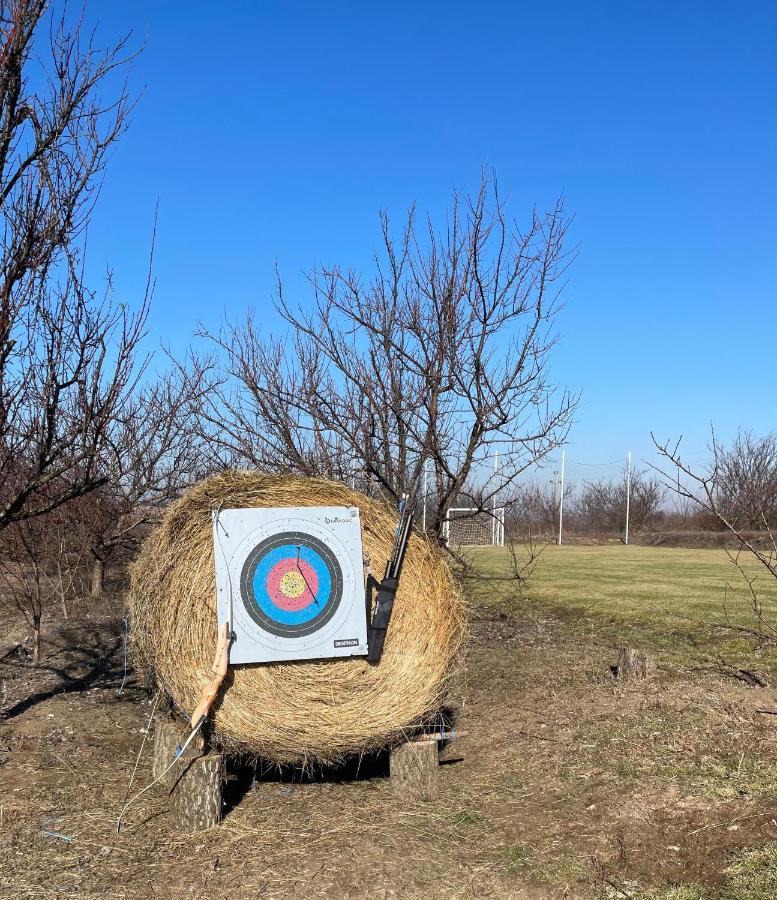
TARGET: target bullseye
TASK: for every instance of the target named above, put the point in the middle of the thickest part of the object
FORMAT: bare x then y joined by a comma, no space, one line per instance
291,584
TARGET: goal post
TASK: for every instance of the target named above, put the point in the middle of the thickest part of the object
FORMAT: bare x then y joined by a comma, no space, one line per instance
473,527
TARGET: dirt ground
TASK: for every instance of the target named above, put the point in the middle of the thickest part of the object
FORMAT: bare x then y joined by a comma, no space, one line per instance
573,785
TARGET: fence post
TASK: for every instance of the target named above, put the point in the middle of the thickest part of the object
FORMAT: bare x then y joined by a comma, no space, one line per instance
493,499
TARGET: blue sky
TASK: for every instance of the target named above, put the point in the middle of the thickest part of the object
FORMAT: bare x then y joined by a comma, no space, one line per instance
276,131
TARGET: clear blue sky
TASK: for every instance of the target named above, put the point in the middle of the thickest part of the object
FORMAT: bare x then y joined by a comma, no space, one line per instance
276,131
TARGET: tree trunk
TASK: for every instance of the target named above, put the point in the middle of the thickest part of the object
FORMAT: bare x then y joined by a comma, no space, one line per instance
98,576
36,640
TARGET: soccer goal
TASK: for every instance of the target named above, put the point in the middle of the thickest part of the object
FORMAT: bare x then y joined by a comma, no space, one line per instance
470,526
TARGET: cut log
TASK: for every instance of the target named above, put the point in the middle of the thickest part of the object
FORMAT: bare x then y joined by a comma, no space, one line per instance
413,768
195,782
196,802
167,736
634,664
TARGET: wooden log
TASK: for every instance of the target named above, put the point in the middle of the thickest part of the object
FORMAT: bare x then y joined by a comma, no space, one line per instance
196,802
167,736
634,664
413,768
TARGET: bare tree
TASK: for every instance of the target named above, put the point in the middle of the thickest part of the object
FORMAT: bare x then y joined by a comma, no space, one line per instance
442,353
537,506
734,490
601,505
712,490
151,455
42,565
746,480
68,361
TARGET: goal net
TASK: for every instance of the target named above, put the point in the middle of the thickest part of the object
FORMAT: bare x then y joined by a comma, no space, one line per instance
470,526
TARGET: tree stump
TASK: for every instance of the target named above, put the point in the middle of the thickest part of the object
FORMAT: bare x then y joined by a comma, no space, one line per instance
195,781
196,799
413,768
167,736
634,664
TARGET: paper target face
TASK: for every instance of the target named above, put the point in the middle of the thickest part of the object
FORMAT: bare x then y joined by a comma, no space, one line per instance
291,582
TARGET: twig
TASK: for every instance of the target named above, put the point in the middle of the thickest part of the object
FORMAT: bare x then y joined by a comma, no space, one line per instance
726,824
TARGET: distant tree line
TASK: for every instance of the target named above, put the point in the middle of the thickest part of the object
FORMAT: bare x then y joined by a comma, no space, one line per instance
736,493
590,507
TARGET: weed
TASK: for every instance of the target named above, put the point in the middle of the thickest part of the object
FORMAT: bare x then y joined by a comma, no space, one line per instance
465,817
515,857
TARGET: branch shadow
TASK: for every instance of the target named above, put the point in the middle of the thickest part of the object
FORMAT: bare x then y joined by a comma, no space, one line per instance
89,654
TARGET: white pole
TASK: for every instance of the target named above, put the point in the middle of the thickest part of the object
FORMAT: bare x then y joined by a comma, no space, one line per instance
493,500
628,495
561,502
426,491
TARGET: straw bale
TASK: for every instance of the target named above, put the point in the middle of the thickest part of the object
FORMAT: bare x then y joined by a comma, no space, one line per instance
299,712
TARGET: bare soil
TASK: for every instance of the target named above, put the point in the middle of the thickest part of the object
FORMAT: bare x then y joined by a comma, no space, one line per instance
573,785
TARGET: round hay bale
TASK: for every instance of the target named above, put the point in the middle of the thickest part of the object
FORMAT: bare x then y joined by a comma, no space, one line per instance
300,712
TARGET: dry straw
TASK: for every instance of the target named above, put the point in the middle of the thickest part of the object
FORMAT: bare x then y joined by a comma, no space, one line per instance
316,712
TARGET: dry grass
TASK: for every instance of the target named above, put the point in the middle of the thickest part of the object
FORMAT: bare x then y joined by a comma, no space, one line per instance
315,712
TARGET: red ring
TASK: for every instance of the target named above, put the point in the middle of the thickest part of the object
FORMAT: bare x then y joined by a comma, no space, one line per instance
277,596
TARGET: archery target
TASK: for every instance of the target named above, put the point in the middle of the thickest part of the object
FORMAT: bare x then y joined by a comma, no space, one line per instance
291,584
291,580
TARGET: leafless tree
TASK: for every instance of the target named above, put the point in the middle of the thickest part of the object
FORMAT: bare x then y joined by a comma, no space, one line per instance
437,356
68,361
725,491
601,505
538,505
746,480
43,565
151,455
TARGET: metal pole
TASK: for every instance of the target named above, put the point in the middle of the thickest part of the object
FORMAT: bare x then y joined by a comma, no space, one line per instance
628,495
493,499
426,491
561,502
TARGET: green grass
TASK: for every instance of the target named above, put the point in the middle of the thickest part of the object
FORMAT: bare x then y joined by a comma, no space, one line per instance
674,600
515,857
753,876
681,892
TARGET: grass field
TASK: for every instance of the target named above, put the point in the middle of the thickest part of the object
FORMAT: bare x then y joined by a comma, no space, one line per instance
684,604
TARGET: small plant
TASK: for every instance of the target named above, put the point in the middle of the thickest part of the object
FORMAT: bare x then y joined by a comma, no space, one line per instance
465,817
516,857
679,892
